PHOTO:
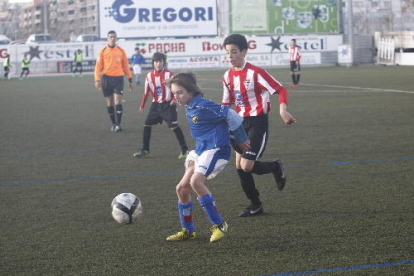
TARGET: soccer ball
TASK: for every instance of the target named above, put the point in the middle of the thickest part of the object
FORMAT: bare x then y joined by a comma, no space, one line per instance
126,207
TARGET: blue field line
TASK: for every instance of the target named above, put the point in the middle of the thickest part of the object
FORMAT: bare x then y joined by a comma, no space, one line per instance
86,178
345,268
46,152
336,163
51,152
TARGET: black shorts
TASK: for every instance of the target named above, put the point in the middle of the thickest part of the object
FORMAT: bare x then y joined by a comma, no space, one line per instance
111,85
162,112
25,70
257,129
78,64
295,66
6,68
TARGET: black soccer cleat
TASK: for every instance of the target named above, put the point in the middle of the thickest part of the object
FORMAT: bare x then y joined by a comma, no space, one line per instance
117,128
252,210
279,174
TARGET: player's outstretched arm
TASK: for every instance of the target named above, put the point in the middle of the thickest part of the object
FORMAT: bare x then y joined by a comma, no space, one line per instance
234,122
286,116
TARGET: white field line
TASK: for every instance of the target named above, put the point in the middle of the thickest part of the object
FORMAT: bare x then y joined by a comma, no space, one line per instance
356,87
367,89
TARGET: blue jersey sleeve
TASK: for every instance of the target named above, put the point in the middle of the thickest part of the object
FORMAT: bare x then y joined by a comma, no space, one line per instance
233,119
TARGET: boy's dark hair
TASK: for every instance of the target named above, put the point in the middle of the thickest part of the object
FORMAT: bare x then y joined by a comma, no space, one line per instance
237,39
136,48
111,32
294,40
186,80
157,56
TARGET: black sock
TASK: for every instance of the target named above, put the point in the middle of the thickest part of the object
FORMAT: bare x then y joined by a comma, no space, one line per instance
260,167
111,112
180,137
247,183
297,78
119,110
146,138
293,79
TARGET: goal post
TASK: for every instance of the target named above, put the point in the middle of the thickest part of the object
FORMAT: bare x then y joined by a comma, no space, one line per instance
386,51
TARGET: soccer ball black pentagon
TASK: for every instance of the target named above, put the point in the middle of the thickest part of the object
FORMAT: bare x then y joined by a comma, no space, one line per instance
126,207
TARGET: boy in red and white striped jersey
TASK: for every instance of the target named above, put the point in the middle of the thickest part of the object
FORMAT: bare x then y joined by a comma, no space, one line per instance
294,58
249,87
163,107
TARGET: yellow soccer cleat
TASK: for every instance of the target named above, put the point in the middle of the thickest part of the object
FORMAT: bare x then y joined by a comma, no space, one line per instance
182,235
183,154
141,153
218,231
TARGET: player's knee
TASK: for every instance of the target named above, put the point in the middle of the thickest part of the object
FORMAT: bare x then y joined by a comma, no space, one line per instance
246,165
181,189
195,183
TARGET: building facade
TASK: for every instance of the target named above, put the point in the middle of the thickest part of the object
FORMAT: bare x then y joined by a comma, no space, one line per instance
66,19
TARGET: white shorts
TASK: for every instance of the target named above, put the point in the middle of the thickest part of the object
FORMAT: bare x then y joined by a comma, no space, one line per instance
209,163
137,69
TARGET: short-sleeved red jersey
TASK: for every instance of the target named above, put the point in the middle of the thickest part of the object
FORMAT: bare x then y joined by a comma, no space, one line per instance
294,53
155,85
250,89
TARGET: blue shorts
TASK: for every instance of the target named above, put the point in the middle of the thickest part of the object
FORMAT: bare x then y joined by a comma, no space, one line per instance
210,162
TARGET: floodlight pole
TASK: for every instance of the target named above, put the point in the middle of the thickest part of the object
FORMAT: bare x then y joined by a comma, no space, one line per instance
45,23
349,12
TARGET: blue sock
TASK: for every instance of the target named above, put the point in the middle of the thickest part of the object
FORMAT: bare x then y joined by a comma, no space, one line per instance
137,80
186,215
208,202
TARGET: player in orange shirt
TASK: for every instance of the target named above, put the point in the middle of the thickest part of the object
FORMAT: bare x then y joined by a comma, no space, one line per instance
111,66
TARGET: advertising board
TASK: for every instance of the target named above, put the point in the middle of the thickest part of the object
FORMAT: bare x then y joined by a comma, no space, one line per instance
197,53
284,16
161,18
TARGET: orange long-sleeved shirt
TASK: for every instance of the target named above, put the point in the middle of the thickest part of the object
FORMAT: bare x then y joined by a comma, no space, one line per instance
112,62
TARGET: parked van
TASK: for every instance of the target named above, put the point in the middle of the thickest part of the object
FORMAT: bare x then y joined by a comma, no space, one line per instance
87,38
4,40
40,38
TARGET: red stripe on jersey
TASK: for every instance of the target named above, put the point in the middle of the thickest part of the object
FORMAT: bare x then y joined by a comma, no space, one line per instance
249,89
155,85
294,53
